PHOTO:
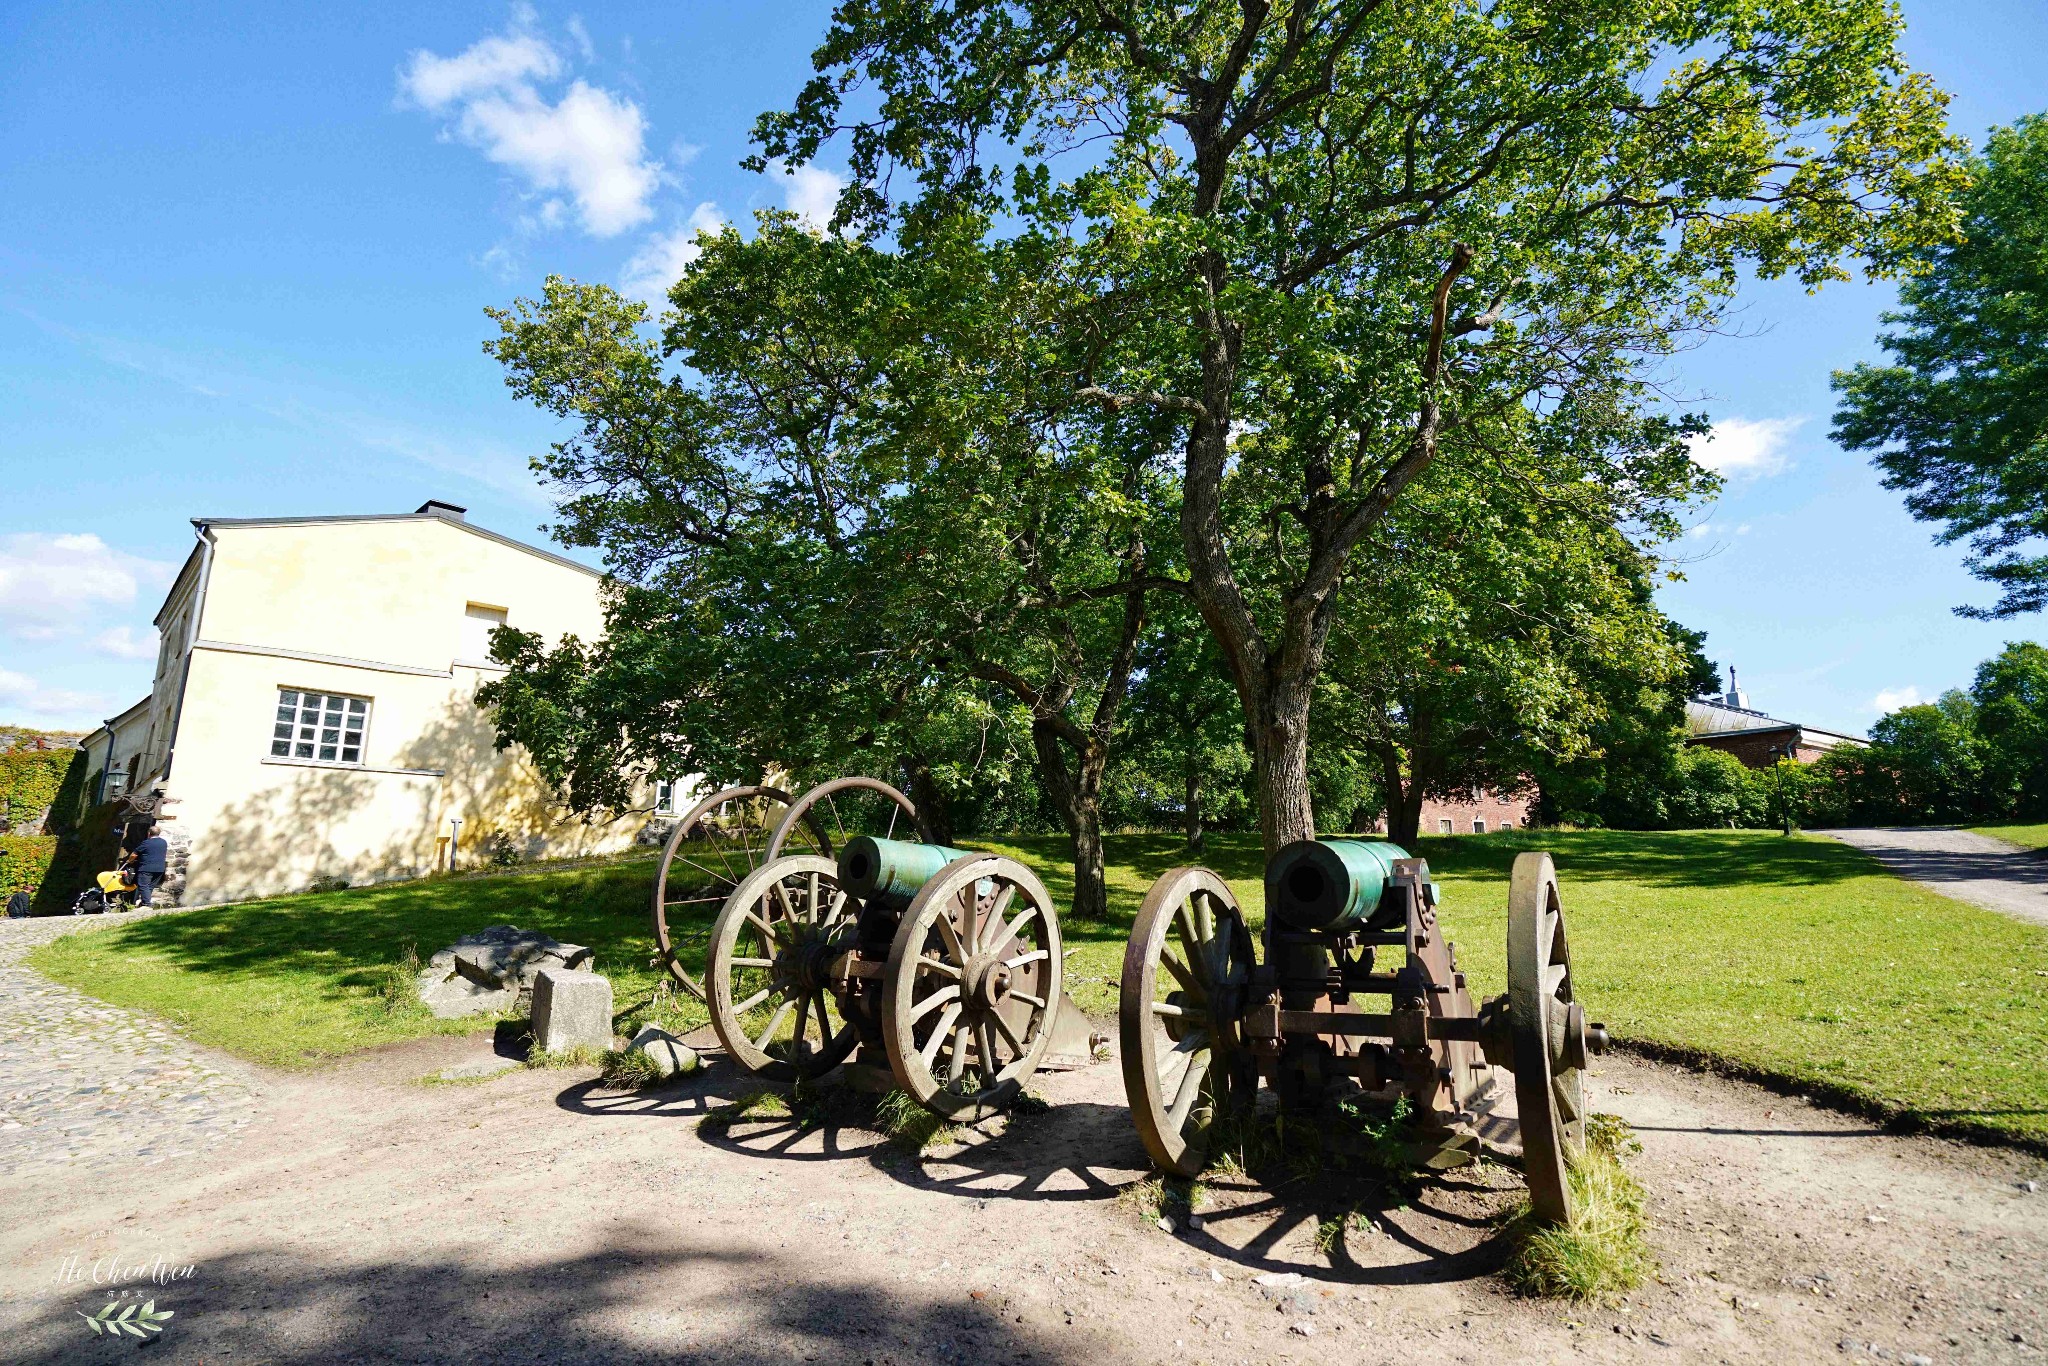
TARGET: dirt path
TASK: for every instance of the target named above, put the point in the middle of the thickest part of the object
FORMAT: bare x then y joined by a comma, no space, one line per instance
534,1218
1969,867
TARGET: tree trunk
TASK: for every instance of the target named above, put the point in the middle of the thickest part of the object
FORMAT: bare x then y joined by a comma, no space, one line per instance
1078,799
1280,765
1404,802
933,807
1192,811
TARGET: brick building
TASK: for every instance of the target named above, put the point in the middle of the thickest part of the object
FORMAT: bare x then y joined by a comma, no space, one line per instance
1727,722
1487,811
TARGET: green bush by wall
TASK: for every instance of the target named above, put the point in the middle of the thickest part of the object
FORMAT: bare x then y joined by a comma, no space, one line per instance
34,780
25,861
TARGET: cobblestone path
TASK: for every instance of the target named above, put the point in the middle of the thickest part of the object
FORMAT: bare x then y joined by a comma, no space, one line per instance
84,1084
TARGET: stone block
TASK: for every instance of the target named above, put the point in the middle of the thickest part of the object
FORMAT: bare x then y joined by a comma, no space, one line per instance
671,1055
571,1009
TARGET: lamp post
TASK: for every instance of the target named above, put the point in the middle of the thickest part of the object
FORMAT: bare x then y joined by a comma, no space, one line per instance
454,839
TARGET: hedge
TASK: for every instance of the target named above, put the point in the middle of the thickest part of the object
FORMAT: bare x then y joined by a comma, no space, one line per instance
25,859
33,780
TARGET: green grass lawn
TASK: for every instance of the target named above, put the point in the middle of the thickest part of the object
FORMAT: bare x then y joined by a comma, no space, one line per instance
1799,959
2032,836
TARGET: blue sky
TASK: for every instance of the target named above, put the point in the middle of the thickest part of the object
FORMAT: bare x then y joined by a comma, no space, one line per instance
244,254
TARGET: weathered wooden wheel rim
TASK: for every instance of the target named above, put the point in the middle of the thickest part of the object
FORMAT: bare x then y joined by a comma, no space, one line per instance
1178,1087
975,973
818,810
795,919
1549,1076
721,879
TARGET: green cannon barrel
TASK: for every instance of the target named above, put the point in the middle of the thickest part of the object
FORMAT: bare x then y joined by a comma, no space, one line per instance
1329,884
891,870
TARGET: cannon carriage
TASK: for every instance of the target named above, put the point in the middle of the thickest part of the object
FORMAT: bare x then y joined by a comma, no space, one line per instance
1206,1020
845,950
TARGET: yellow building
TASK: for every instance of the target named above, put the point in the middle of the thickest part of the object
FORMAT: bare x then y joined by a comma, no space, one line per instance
313,716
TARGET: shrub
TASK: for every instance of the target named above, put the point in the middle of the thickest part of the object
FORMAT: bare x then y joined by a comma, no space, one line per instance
1714,790
25,859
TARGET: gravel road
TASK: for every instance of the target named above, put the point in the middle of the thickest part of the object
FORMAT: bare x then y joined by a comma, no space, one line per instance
1974,868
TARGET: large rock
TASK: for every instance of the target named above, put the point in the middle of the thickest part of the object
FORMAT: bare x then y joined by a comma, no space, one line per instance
571,1010
493,970
670,1055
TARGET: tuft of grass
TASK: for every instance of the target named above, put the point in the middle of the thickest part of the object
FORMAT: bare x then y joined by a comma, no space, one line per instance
632,1070
399,988
908,1124
580,1056
754,1105
1605,1250
1171,1196
1030,1103
1331,1232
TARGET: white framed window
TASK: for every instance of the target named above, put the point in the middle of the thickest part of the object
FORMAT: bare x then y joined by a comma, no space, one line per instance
668,797
1507,825
1443,827
1478,825
478,621
327,727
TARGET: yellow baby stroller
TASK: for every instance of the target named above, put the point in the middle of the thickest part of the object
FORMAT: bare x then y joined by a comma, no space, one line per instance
114,891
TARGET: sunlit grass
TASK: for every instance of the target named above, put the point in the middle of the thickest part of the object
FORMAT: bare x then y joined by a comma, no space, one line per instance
1605,1250
1801,959
2033,836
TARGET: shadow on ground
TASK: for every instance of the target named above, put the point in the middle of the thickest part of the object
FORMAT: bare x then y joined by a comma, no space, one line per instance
634,1301
1437,1229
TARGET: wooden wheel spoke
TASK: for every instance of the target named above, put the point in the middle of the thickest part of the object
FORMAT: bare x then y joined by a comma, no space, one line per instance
950,937
985,1044
825,1030
744,1006
789,914
1554,977
970,921
724,878
1188,981
1035,956
934,1001
798,1043
1189,1090
1028,999
1168,1008
1013,931
1009,1035
938,965
940,1032
957,1065
751,962
774,1023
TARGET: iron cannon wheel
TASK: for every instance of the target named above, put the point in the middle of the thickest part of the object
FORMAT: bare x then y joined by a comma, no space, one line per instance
1549,1089
974,983
716,844
1186,970
826,817
772,950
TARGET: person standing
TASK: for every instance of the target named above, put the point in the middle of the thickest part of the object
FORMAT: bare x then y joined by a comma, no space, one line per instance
152,857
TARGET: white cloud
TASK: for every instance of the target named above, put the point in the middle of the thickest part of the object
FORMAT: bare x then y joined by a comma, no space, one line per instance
582,37
1745,448
51,584
20,693
812,193
124,642
491,64
590,144
1891,699
662,258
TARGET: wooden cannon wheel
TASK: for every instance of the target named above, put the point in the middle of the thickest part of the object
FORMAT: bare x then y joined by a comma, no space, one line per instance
716,844
975,975
826,817
769,969
1549,1033
1186,971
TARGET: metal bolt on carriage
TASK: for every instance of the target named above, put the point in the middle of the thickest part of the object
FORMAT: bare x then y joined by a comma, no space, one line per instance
841,950
1206,1019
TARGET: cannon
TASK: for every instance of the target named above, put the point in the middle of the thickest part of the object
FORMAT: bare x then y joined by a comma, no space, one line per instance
892,961
1204,1023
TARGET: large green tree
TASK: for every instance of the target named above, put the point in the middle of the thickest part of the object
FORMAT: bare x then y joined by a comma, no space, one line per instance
1489,641
1959,419
845,524
1337,241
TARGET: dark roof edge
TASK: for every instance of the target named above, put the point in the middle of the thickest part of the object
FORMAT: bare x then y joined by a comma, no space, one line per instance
456,522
